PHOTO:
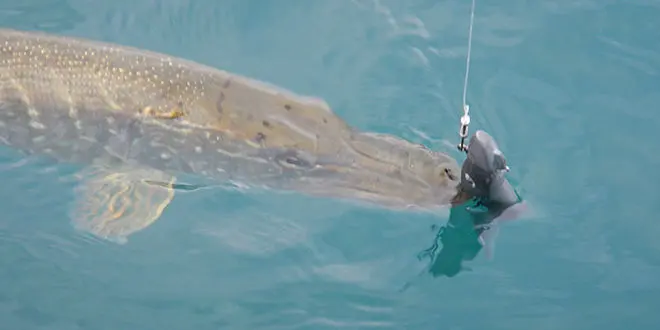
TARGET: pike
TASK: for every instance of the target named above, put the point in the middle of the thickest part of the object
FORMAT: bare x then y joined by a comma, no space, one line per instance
138,119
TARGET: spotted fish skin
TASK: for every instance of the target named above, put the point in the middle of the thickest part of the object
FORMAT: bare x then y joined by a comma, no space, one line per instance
82,75
81,100
85,96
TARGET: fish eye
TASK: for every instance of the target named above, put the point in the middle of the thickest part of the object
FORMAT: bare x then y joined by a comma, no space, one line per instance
449,173
290,159
423,147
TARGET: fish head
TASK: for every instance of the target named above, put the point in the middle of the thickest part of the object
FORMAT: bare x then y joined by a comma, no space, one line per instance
418,175
440,172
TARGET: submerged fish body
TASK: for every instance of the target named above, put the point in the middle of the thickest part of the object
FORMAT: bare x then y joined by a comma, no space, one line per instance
138,117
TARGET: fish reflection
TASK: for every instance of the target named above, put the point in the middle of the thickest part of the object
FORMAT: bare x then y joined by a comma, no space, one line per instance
473,226
458,241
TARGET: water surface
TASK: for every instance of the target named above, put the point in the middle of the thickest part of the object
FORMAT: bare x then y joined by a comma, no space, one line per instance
568,88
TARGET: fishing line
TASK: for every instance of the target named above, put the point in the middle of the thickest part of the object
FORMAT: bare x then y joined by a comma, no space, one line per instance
465,119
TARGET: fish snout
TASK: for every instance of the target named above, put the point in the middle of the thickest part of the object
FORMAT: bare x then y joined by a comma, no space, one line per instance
484,153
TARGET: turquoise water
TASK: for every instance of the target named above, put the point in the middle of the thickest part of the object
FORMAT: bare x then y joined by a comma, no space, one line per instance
568,88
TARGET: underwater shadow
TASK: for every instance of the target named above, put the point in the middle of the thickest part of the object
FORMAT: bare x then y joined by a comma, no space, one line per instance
468,231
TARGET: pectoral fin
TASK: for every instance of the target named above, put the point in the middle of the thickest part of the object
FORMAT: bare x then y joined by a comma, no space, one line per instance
114,204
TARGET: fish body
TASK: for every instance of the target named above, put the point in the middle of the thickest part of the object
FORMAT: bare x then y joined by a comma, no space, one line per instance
137,117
